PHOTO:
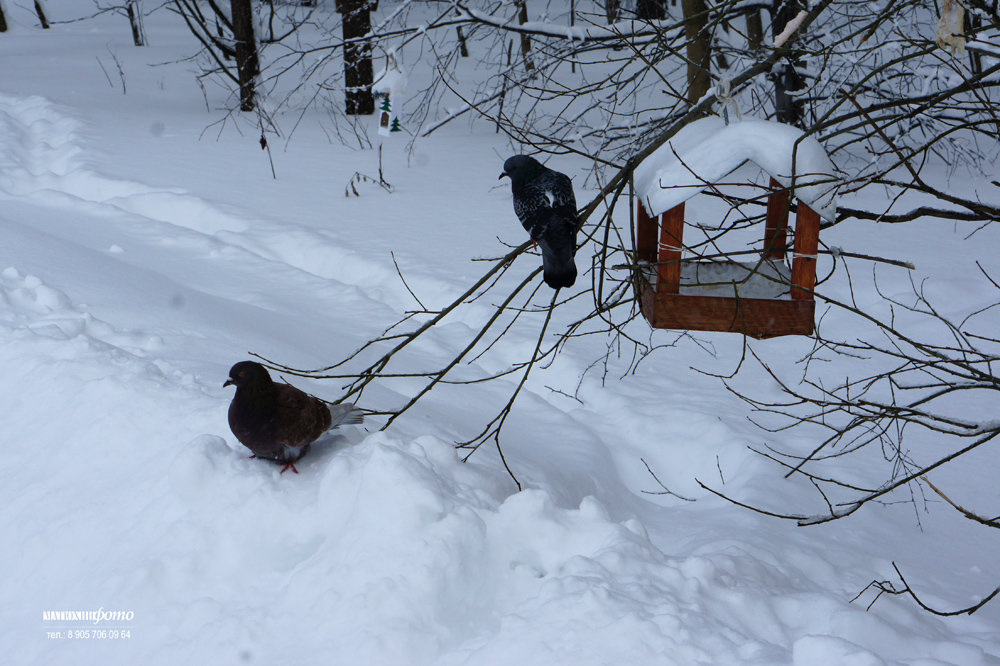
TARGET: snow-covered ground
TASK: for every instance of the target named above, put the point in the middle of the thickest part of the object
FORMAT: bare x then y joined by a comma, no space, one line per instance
141,256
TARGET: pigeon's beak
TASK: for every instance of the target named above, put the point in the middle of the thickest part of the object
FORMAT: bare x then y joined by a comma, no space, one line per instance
229,382
502,175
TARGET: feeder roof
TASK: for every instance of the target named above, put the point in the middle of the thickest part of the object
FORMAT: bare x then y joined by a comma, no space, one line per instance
705,151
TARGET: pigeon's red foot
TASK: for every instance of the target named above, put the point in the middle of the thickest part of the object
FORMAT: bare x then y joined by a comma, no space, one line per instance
288,466
253,456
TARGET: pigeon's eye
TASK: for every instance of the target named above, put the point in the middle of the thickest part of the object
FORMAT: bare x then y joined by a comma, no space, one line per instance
242,373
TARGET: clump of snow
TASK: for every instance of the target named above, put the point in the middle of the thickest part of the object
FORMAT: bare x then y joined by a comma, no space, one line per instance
391,79
789,29
706,150
951,27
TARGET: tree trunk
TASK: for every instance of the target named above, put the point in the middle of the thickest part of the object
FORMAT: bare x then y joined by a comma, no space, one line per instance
43,13
613,10
755,30
788,109
358,73
522,18
247,64
972,24
134,10
3,18
699,49
651,10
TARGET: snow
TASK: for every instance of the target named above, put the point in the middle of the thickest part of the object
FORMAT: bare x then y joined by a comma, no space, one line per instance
764,279
143,255
629,29
706,150
391,79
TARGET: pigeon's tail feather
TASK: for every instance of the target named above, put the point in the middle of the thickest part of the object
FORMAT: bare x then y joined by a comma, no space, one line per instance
562,276
345,415
558,246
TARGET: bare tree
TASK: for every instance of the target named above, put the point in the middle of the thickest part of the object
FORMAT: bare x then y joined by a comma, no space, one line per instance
698,49
228,38
43,13
522,18
358,74
912,391
612,9
787,79
245,50
130,9
133,8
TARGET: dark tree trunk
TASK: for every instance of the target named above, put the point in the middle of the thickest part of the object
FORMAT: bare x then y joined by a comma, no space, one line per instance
247,64
699,49
358,74
652,10
788,108
222,37
42,17
135,20
972,24
3,20
522,18
755,30
613,10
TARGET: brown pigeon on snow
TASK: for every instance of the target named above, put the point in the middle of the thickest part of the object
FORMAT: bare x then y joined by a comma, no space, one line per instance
278,421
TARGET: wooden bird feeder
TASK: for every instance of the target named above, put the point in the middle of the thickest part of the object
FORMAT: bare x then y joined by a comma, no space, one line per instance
761,299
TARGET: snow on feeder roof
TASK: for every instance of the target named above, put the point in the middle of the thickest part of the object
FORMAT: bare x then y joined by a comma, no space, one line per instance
707,150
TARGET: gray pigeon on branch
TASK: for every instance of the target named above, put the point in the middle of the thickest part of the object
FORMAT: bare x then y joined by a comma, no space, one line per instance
278,421
544,202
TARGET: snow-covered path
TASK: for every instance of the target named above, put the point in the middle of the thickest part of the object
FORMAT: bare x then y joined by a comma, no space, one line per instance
124,298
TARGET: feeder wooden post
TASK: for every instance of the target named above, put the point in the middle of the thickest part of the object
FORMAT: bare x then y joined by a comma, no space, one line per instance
806,245
645,235
669,256
776,225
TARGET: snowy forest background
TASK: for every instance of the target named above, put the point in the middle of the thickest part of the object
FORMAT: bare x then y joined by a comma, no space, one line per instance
542,477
